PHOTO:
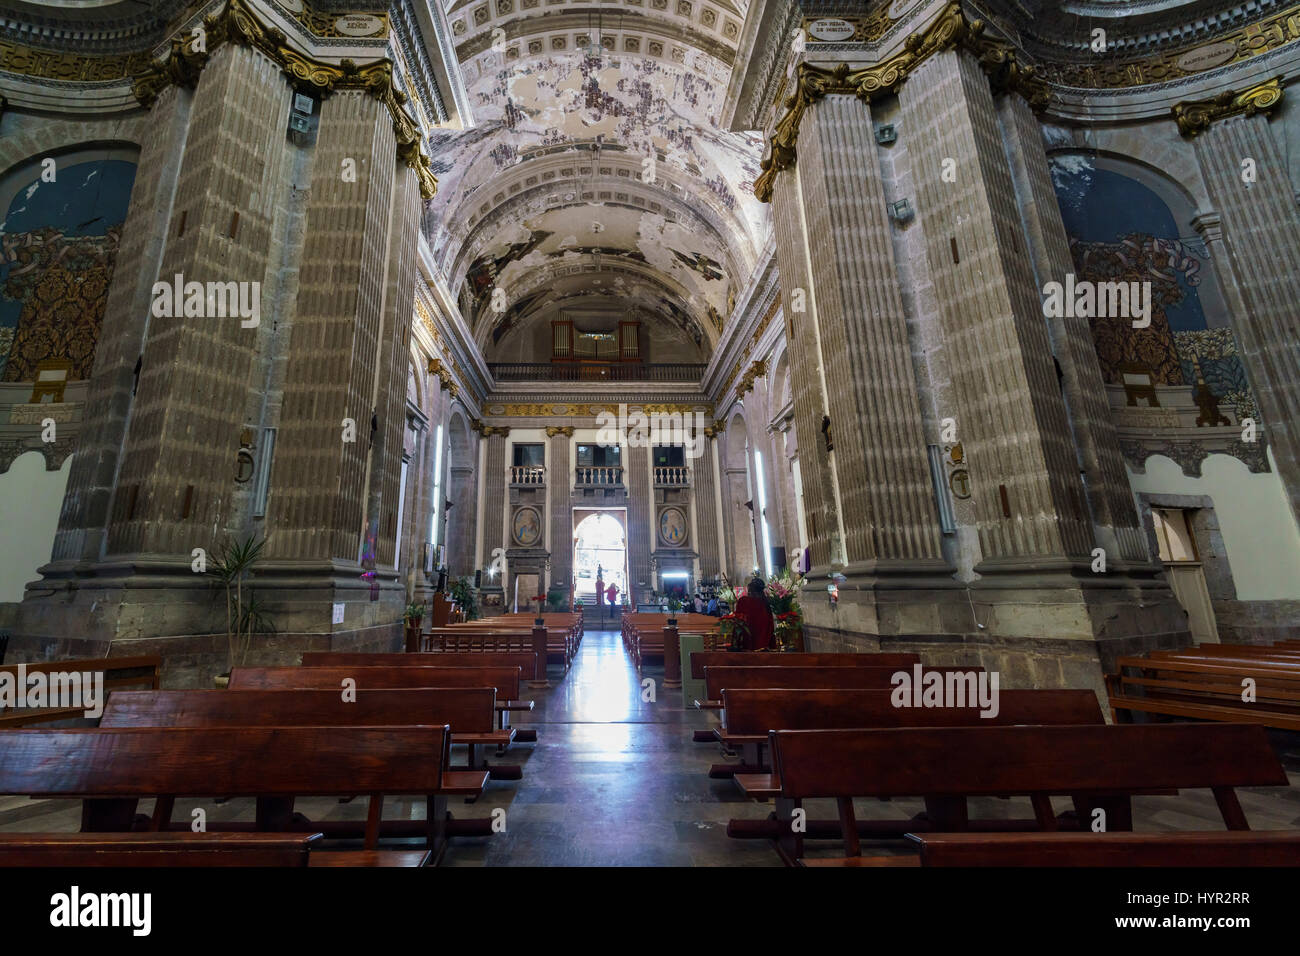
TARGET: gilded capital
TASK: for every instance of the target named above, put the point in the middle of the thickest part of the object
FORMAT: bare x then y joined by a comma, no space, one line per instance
1195,116
553,430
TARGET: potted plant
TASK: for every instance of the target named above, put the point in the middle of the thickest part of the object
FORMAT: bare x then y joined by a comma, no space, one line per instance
413,616
557,599
232,569
466,598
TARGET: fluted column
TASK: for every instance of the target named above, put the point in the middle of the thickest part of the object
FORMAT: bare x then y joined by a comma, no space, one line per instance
559,484
336,353
1261,238
640,530
494,494
84,518
389,389
1010,416
462,494
841,246
175,485
1115,519
705,495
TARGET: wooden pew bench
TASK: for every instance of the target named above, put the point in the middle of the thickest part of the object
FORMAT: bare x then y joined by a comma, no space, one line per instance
111,770
1097,766
158,849
138,671
469,711
550,645
526,661
506,680
1206,688
867,676
1239,848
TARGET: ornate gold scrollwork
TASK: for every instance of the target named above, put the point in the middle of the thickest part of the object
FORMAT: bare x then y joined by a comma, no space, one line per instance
1195,116
236,22
949,29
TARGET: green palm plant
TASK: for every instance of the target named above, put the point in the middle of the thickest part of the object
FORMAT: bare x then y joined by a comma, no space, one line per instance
246,614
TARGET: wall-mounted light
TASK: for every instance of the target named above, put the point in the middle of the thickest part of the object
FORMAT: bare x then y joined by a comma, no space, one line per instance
900,211
886,134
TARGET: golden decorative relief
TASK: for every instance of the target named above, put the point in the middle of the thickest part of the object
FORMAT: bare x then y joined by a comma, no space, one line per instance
948,30
69,67
237,23
866,29
755,371
1195,116
565,430
1250,41
444,376
487,431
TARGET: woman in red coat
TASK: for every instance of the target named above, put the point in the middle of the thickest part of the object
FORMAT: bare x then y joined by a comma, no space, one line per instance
752,606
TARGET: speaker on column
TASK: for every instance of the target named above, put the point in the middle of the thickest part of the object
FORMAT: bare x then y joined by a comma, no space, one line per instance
778,558
478,578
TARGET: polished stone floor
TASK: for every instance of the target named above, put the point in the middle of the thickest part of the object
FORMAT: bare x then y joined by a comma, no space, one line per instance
615,779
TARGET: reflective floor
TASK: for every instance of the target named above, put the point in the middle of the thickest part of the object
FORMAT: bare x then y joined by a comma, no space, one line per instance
616,779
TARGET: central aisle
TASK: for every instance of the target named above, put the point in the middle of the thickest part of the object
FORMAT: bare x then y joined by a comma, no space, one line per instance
612,780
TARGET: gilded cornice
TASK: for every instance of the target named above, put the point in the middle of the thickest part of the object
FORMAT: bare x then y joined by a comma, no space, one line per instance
1245,43
948,30
755,371
487,431
237,23
1195,116
444,376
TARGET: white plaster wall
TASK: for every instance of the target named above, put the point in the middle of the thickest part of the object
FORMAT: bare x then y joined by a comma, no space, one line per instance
30,499
1259,532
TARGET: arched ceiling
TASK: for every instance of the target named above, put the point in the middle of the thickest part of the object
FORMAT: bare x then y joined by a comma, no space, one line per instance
548,195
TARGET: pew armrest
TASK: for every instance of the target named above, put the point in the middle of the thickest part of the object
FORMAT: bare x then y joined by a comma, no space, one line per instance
466,783
496,737
515,705
760,786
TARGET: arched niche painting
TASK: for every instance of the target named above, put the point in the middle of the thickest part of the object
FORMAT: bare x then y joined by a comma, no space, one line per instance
58,246
1129,223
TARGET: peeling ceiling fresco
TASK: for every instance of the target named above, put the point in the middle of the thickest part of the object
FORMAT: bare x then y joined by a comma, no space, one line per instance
597,153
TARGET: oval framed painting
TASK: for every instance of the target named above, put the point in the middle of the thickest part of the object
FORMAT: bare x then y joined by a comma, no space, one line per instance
526,527
672,527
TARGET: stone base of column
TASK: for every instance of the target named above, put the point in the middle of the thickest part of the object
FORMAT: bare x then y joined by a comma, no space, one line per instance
1065,632
155,604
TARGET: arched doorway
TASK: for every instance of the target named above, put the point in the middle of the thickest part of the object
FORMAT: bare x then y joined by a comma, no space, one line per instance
599,547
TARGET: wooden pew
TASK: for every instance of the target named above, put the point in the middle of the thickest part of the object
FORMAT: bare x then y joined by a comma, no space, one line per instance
749,714
550,645
526,661
1239,848
111,770
1099,766
137,671
469,711
701,660
643,634
865,677
1206,688
157,849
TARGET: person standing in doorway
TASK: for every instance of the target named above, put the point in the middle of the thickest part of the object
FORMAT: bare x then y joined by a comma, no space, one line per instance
612,593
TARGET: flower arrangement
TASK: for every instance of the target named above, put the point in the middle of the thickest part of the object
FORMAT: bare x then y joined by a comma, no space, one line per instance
734,630
782,593
414,614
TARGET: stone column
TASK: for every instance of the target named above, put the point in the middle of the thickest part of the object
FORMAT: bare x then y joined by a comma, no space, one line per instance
1114,518
1261,238
336,348
705,496
640,533
559,482
463,492
84,519
494,494
393,362
833,238
176,481
1010,417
